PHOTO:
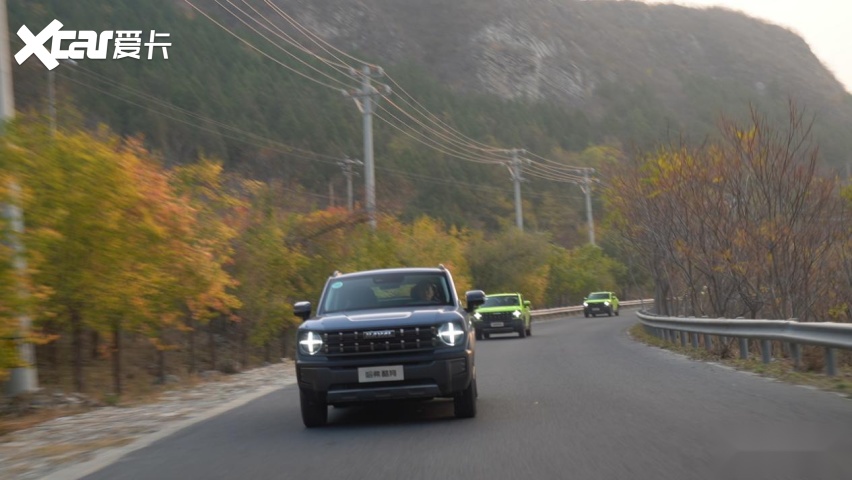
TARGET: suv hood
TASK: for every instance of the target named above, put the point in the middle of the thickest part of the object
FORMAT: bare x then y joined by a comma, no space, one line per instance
382,318
499,309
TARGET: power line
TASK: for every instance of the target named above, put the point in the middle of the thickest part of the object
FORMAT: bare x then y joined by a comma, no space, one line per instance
258,50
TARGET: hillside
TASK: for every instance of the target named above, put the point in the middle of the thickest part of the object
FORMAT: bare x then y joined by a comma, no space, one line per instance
556,77
637,70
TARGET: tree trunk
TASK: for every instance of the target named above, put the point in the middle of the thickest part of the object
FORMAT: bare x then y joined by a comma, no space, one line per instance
77,348
243,346
191,323
284,332
96,340
116,357
211,338
161,366
52,351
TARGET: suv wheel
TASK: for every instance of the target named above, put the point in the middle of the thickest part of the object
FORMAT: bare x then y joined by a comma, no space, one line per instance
522,332
479,334
314,414
464,403
609,312
529,330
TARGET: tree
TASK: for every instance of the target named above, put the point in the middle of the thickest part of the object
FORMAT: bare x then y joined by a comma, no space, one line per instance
513,261
741,225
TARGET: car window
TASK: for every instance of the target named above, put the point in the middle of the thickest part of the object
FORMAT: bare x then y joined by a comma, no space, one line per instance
383,290
598,296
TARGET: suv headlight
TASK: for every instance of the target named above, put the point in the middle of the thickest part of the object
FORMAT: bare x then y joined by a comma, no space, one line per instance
585,304
477,316
516,314
451,334
310,343
606,303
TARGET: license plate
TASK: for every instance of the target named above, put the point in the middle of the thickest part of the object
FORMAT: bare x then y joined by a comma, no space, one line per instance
496,324
387,373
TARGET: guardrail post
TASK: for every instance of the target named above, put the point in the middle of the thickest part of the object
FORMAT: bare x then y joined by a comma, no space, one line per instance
743,348
694,340
766,350
796,354
708,342
830,362
683,339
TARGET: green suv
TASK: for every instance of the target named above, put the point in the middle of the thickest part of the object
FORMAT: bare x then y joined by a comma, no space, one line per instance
600,302
503,313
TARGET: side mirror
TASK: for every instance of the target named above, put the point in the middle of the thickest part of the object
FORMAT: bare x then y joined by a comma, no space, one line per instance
474,299
302,310
527,303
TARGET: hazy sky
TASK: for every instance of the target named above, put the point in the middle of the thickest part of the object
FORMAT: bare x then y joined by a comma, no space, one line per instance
825,24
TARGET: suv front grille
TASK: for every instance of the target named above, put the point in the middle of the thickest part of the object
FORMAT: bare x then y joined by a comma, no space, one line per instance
373,341
497,317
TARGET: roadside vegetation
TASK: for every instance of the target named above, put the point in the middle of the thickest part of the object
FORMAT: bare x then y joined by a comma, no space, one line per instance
743,226
139,272
780,368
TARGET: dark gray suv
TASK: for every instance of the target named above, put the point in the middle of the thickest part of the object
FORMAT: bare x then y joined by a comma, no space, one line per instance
391,334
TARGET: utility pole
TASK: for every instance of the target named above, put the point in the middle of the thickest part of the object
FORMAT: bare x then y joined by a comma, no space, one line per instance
51,94
364,99
346,164
51,101
24,378
7,96
586,187
587,190
515,171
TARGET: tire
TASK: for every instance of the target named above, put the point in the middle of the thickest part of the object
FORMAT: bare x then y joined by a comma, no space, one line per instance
314,414
609,312
523,331
479,335
616,312
529,330
464,403
586,314
486,335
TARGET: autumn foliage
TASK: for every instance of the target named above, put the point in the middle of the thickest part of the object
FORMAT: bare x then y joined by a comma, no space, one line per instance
741,226
199,267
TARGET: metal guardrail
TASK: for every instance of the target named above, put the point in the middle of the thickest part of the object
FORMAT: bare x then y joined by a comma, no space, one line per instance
552,312
826,334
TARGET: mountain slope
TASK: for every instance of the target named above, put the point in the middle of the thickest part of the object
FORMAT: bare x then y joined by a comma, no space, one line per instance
601,57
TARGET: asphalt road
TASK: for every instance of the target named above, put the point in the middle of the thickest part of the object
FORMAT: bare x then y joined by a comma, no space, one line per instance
579,399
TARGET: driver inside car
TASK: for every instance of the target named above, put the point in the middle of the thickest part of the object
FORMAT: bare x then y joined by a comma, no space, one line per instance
424,291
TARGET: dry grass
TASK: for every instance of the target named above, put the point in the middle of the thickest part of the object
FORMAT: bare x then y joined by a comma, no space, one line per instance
13,423
69,449
138,388
781,369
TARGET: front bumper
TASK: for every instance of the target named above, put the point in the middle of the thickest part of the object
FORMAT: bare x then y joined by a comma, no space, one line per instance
508,326
335,381
597,308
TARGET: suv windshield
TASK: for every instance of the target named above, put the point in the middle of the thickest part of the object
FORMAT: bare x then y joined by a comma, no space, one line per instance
501,301
386,290
598,296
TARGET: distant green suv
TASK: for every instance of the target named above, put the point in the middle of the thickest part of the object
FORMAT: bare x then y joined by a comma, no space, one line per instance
503,313
600,302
